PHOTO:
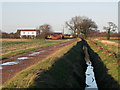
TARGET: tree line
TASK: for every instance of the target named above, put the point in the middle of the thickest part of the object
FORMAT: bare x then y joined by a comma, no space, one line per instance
79,26
42,32
86,26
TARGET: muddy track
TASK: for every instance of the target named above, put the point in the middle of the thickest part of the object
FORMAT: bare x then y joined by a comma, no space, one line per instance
23,61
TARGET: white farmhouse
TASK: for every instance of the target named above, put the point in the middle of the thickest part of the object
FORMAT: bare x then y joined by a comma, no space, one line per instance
28,33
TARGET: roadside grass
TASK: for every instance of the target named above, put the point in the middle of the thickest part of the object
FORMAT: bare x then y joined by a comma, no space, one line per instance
109,61
13,48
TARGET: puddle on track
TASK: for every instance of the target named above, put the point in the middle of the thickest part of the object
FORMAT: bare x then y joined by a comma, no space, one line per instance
9,63
43,51
61,44
10,70
22,58
34,53
0,67
54,46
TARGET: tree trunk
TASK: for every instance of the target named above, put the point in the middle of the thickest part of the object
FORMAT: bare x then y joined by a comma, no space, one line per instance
108,35
85,36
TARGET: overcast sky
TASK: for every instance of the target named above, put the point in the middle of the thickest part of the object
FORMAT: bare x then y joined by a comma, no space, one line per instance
33,14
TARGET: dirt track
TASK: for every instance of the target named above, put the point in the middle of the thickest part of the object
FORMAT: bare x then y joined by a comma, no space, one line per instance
8,71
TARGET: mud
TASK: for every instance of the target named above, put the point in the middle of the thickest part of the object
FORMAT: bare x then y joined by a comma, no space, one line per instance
27,59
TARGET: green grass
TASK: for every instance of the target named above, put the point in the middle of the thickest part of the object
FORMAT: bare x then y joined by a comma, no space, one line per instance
66,69
108,47
115,40
27,77
109,61
13,48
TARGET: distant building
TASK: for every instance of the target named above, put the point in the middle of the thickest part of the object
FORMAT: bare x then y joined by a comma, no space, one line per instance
28,33
55,35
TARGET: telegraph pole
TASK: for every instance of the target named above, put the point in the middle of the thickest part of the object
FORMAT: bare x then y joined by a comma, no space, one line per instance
63,30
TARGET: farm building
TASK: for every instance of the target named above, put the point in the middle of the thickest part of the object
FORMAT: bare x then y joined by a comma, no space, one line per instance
28,33
55,35
68,36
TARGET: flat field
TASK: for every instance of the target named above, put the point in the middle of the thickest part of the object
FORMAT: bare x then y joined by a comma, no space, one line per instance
13,47
115,40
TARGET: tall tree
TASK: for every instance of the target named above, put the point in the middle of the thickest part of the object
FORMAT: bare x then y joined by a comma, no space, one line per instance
80,24
111,28
44,30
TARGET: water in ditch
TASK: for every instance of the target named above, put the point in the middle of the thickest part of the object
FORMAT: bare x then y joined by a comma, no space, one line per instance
90,79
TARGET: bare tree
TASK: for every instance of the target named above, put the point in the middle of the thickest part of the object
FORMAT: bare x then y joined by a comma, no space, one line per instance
80,24
73,24
44,30
86,26
111,28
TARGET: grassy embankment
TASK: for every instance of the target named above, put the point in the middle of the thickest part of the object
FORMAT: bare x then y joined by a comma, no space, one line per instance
64,69
109,56
108,46
28,78
115,40
13,47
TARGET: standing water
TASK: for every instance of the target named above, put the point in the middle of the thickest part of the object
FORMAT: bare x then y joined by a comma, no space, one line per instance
90,78
0,67
35,53
9,63
22,58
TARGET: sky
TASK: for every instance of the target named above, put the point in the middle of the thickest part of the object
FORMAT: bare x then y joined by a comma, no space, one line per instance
33,14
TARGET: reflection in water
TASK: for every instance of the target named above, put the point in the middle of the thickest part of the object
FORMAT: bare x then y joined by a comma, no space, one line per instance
9,63
54,46
22,58
43,51
0,67
90,78
34,53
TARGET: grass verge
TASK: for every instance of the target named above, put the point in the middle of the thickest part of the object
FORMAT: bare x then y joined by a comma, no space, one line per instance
109,47
115,40
21,46
109,60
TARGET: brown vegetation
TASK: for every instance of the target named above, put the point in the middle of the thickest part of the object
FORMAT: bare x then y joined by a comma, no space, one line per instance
102,34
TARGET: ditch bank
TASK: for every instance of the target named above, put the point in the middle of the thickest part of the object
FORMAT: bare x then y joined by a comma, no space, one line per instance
110,61
69,70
